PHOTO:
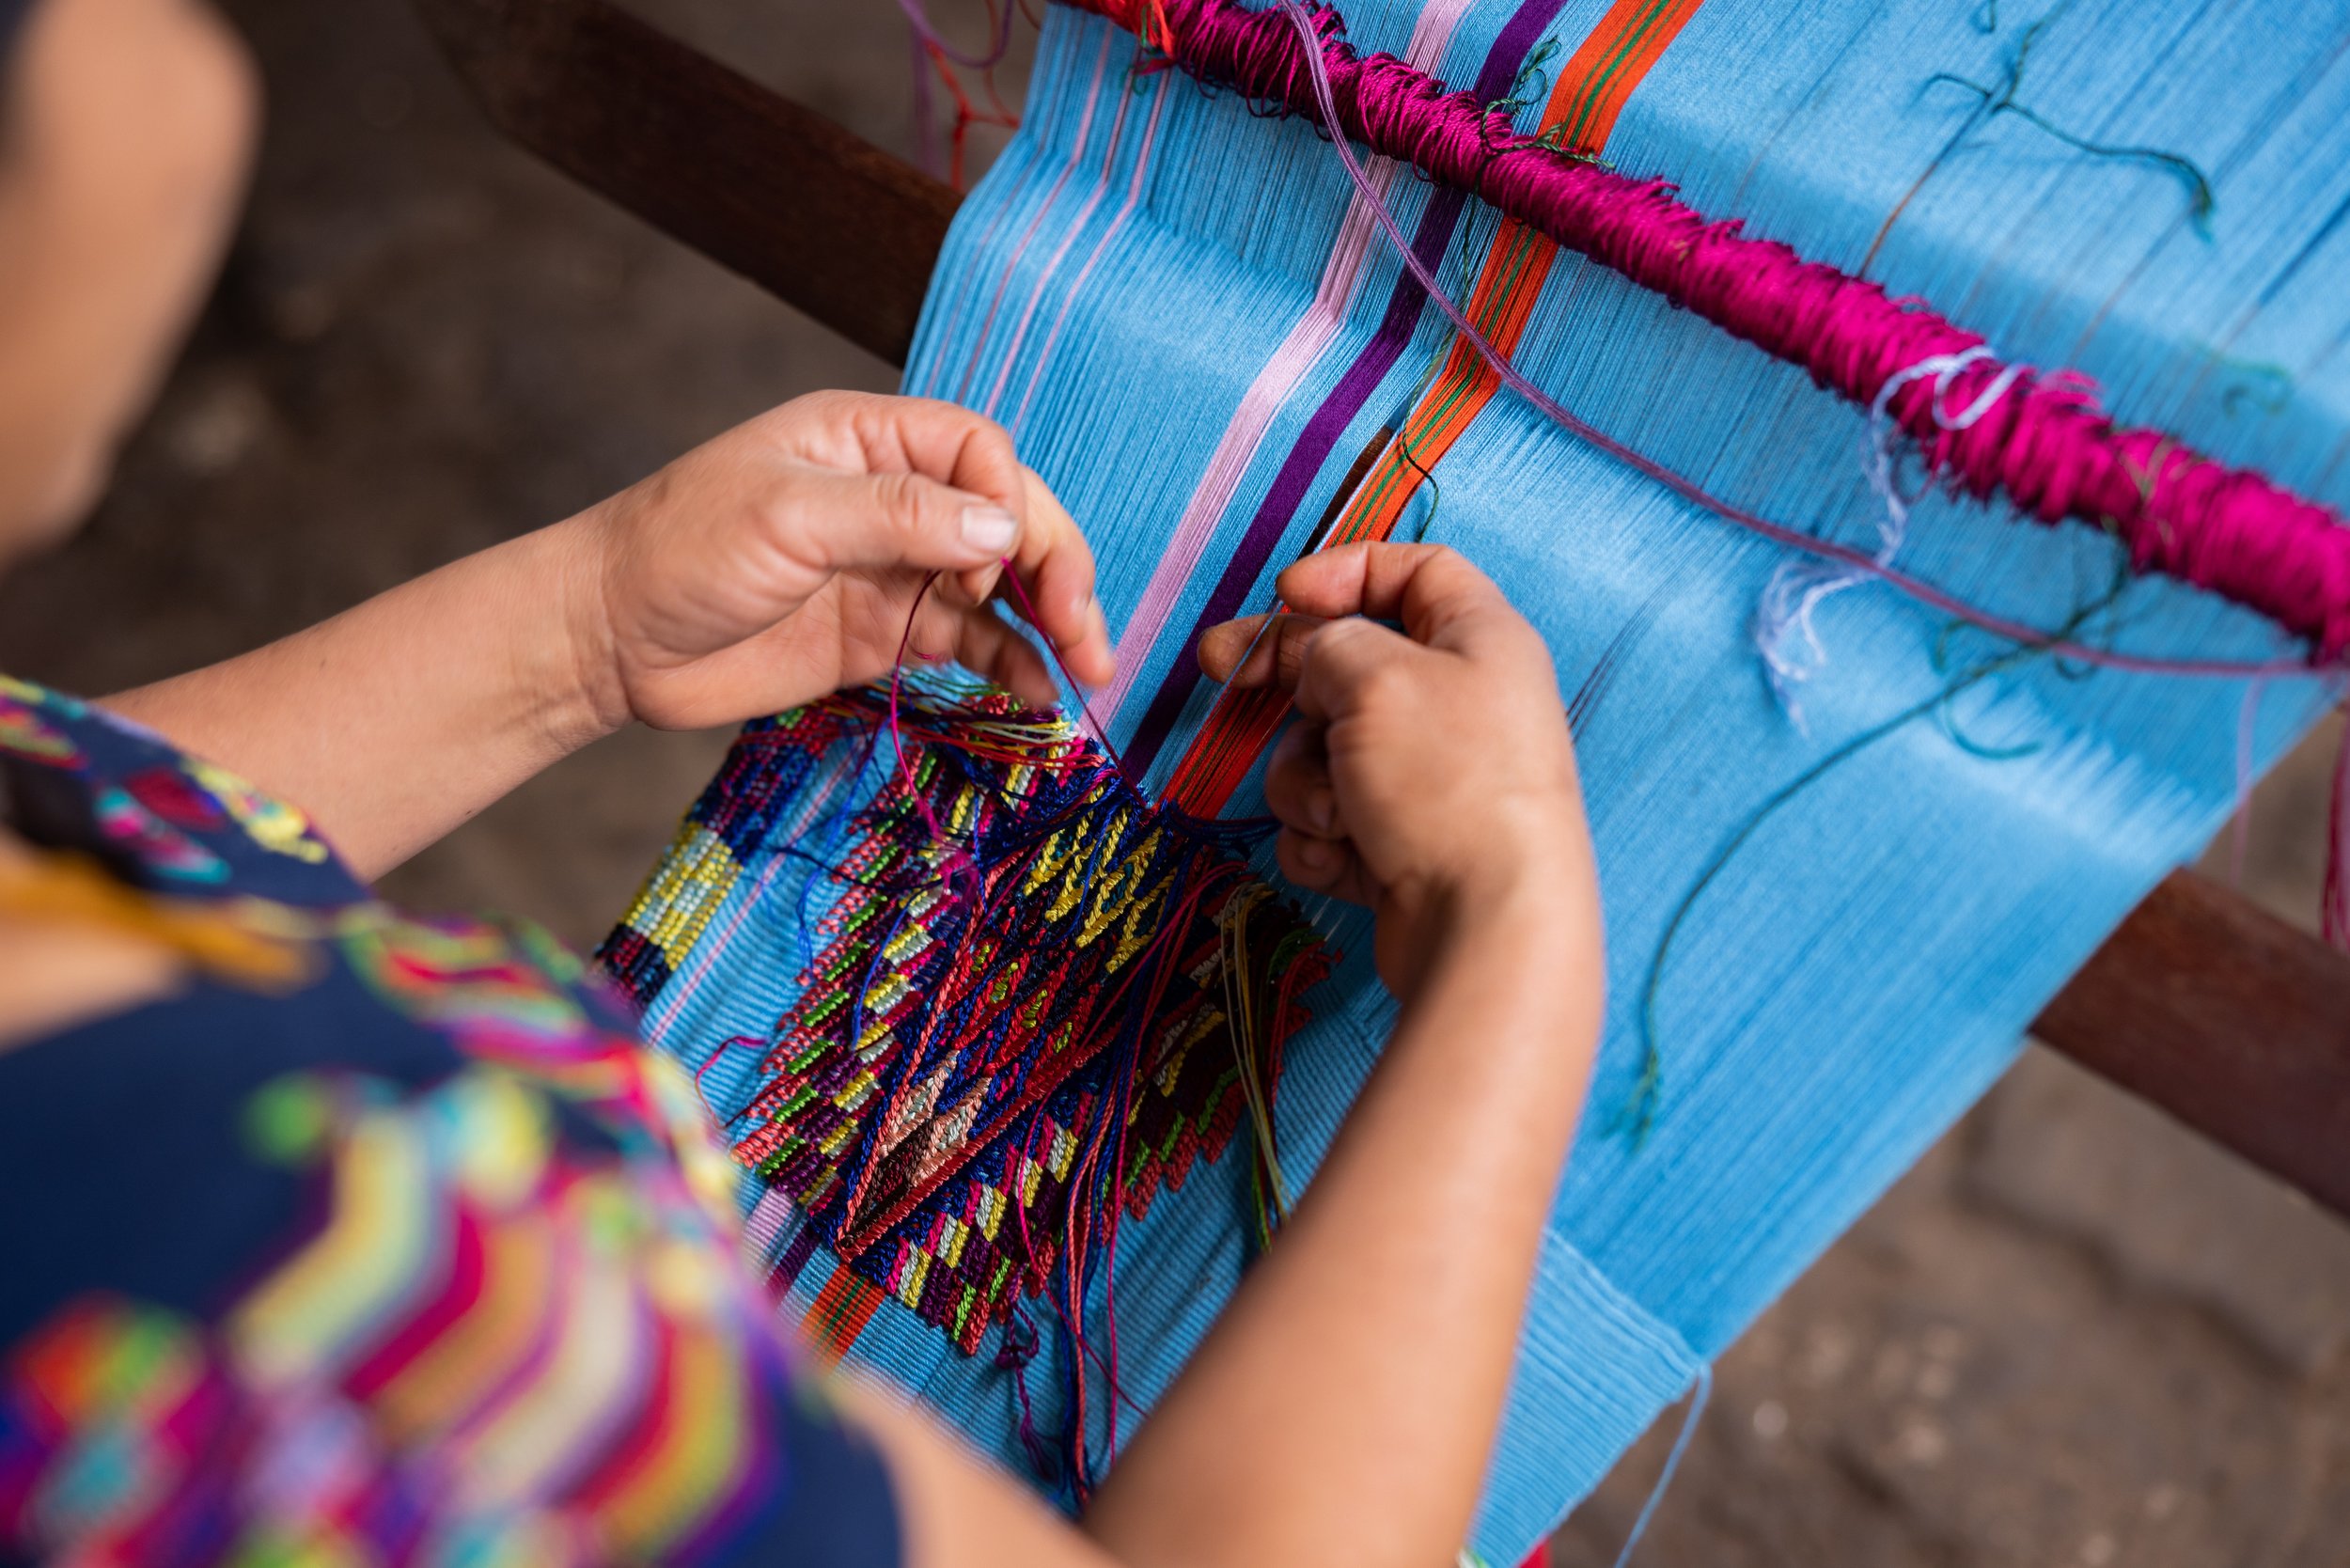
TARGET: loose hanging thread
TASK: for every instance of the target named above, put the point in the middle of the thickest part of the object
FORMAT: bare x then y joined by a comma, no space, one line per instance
934,56
2046,446
1797,589
1313,66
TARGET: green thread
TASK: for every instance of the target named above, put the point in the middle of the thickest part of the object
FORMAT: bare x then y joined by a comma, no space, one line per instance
2001,100
1519,98
2266,387
1639,1114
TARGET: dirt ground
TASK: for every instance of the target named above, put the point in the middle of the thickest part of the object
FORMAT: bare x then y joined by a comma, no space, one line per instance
2075,1335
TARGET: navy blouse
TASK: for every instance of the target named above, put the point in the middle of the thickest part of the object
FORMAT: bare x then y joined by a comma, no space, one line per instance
380,1240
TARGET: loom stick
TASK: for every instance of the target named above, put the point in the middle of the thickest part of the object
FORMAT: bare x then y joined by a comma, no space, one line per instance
2223,1016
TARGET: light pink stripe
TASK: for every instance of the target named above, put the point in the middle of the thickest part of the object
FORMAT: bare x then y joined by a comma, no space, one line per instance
1068,240
1070,296
765,1222
1312,335
1077,155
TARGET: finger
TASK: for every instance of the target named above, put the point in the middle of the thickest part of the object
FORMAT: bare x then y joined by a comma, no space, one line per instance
970,588
985,643
990,648
1258,649
1297,788
1439,597
1323,866
880,434
1343,658
840,522
1054,572
968,452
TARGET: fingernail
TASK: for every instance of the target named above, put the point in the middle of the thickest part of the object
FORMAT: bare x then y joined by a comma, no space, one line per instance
1321,811
1316,856
990,529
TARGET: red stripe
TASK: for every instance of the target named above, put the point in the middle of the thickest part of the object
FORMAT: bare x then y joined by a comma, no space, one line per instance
461,1291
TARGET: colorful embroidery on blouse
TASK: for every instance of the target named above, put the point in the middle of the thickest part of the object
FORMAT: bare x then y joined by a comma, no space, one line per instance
490,1348
173,796
126,819
510,1320
267,821
189,826
26,733
507,993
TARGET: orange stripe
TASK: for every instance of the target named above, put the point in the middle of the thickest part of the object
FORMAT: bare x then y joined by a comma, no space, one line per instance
840,1311
1593,89
1613,61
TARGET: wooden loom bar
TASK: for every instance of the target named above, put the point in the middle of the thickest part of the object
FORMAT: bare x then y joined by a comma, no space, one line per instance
2222,1015
814,214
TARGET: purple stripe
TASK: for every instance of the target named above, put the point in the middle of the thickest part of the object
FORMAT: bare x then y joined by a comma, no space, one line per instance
1322,433
787,1270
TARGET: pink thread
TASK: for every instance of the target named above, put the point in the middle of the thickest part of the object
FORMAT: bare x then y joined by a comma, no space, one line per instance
987,242
1924,592
1076,288
957,859
1011,352
1028,612
919,21
2046,445
1308,338
1019,251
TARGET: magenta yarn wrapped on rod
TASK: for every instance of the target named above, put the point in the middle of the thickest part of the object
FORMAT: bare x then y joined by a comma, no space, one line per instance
2046,443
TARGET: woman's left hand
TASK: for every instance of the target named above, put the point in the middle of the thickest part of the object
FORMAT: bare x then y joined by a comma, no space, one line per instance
784,560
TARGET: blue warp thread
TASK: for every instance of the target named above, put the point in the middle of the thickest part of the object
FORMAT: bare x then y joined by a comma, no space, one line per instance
1863,968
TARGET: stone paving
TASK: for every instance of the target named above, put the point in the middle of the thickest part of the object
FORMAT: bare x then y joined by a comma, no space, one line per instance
2075,1336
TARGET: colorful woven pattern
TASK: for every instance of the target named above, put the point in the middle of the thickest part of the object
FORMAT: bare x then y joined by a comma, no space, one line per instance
1027,990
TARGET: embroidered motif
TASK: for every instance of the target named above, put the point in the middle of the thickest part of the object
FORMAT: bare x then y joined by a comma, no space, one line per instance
25,733
764,776
171,795
160,846
267,821
1040,1000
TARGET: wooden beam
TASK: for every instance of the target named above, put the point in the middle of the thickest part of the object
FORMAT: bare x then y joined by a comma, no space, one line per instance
2228,1019
2223,1016
816,215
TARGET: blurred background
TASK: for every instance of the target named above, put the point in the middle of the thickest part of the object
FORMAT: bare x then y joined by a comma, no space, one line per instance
2075,1335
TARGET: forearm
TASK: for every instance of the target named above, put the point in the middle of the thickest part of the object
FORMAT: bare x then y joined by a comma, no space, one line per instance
1343,1408
401,718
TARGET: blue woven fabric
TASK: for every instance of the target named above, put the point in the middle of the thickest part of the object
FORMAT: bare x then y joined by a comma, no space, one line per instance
1865,965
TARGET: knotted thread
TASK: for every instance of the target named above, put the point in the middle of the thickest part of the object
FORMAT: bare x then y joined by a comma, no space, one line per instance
2046,445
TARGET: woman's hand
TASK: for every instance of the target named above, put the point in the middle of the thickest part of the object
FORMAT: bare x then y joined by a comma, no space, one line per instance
1429,775
778,562
783,561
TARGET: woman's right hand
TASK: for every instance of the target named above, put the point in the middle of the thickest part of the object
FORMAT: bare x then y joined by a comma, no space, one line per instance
1429,775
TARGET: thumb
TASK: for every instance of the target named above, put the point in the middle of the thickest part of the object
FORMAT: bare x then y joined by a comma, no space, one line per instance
877,521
